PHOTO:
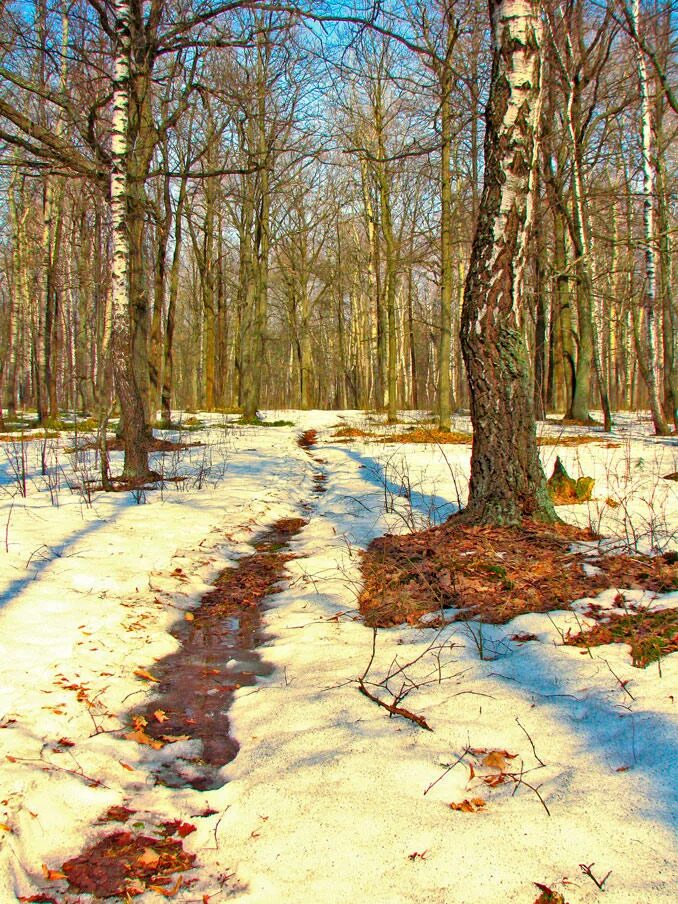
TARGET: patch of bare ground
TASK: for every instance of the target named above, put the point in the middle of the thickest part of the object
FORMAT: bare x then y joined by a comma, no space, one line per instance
28,437
196,684
155,445
126,864
348,433
428,435
493,574
651,634
455,437
307,439
582,440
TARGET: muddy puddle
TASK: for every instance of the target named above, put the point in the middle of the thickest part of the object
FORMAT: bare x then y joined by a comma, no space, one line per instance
218,655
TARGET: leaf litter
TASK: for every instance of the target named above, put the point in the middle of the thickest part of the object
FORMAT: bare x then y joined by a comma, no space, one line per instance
126,864
493,574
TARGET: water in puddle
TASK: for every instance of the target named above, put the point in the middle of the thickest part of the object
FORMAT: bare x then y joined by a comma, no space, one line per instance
217,656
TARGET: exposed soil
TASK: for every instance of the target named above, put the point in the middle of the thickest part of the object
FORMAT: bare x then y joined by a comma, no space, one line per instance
217,656
493,574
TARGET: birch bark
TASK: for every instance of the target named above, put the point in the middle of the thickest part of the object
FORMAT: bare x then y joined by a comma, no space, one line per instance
132,408
507,481
647,358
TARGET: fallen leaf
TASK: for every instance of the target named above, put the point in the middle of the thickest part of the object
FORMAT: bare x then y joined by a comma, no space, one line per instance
497,778
189,616
142,673
496,759
159,715
126,766
52,875
167,892
177,827
548,895
142,738
149,858
469,806
116,814
5,827
172,739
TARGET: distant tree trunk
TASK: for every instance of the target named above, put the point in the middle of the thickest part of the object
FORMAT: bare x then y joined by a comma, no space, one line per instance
155,356
507,481
669,305
168,346
373,286
540,345
647,357
446,251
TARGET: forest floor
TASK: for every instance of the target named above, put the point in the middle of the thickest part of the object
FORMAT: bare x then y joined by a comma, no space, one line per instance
455,757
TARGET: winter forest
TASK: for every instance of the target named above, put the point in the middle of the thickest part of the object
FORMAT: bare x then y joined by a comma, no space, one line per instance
303,182
338,451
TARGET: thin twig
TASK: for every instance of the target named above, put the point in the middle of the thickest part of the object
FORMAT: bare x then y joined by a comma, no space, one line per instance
394,710
525,732
448,769
586,869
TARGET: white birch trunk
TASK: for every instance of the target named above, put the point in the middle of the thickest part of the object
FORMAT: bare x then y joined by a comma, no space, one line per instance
132,409
507,481
650,283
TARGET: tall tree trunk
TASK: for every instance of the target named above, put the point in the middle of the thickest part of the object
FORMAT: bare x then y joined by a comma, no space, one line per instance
507,481
168,346
541,326
132,408
446,251
647,357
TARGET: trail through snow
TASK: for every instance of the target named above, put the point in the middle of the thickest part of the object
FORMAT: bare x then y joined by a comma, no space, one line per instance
327,799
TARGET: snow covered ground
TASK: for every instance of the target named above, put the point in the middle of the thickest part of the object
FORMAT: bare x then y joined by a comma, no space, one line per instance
329,800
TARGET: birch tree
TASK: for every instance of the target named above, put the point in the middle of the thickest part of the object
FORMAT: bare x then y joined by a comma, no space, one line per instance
647,351
507,481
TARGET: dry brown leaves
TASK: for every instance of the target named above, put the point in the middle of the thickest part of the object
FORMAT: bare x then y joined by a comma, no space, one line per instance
554,440
117,814
651,634
126,864
492,574
351,433
472,805
308,439
548,895
289,526
428,435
